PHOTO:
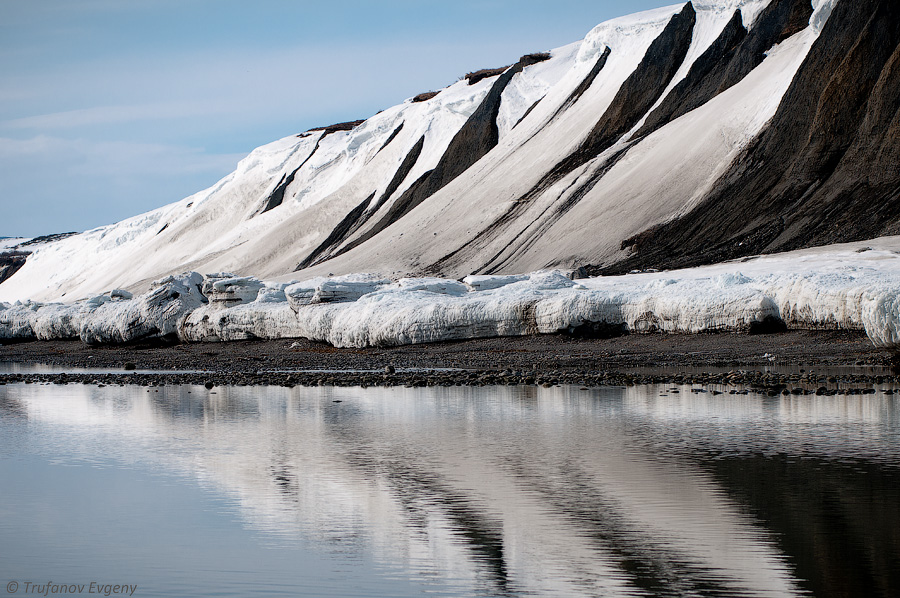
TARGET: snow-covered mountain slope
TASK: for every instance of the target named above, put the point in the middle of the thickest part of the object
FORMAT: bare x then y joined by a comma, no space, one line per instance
685,134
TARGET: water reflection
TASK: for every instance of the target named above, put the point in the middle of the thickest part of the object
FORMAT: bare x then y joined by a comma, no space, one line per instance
524,491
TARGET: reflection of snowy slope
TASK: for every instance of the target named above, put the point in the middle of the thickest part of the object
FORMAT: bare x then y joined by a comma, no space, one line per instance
545,165
542,489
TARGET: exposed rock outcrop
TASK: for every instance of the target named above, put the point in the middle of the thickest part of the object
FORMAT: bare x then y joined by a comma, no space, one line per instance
824,171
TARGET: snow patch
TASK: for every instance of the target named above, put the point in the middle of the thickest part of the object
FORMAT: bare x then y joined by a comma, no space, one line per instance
821,12
333,289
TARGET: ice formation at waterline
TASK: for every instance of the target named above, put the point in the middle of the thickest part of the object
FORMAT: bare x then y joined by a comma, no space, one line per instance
853,286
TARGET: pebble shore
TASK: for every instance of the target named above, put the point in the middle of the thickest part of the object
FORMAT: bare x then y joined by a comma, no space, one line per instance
738,382
793,363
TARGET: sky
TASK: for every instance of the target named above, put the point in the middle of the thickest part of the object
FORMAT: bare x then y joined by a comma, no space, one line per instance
111,108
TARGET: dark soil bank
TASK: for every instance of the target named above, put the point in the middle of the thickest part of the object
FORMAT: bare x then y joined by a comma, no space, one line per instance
798,361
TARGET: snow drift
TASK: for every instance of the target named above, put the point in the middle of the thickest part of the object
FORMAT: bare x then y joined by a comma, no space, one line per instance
849,287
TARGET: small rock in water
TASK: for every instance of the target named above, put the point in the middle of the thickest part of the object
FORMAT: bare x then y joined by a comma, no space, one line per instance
389,369
209,385
130,366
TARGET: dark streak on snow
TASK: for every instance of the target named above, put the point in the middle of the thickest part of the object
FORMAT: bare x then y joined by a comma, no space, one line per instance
276,197
527,112
408,163
339,233
825,169
730,59
473,141
557,209
635,97
584,85
391,138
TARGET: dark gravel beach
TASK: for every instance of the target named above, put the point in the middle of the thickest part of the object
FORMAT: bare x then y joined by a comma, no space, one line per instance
796,361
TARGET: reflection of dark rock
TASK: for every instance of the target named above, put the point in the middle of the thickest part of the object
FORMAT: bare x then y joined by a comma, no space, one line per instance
424,493
838,523
824,170
10,407
650,566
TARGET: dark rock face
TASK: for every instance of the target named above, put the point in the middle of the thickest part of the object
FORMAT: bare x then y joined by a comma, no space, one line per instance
704,79
347,126
424,97
46,239
826,168
635,97
778,21
644,87
478,76
730,58
473,141
359,216
276,197
11,262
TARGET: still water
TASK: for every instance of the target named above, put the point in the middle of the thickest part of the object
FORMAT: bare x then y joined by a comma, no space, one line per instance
507,491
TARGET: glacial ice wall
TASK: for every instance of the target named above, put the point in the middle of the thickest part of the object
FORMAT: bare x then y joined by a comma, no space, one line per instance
112,318
838,287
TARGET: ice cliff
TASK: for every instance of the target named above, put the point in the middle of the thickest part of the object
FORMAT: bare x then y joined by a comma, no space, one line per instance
842,287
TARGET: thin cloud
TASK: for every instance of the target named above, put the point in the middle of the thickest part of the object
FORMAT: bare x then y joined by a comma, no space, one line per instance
105,115
85,157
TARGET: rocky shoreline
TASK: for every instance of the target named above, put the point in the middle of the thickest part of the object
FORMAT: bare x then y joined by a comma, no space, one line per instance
797,362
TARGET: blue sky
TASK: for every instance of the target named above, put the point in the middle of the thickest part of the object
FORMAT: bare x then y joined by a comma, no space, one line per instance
109,108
